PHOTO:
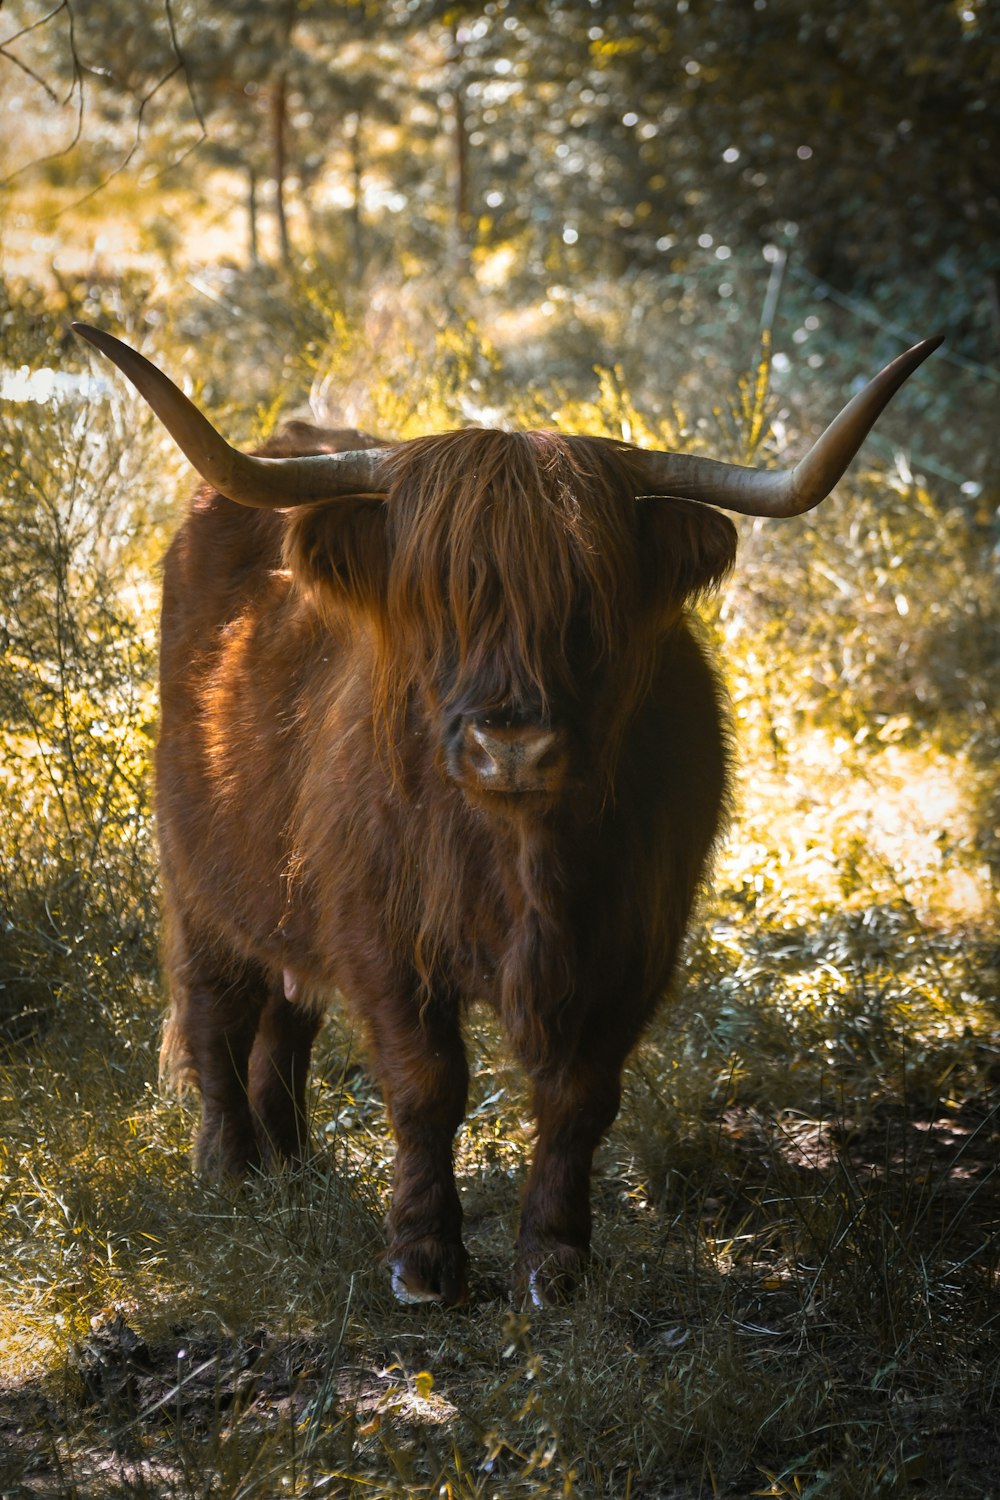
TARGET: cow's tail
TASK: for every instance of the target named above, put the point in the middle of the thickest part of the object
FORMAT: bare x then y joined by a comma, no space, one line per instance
176,1071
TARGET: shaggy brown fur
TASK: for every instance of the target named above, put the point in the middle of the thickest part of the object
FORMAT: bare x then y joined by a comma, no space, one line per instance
320,830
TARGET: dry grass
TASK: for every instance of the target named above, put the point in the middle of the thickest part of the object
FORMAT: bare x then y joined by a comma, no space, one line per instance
795,1283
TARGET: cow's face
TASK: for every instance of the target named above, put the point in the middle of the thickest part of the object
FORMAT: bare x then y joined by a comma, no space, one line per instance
515,591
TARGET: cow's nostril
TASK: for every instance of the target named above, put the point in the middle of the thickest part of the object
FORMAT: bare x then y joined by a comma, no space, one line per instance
549,754
539,747
480,744
514,758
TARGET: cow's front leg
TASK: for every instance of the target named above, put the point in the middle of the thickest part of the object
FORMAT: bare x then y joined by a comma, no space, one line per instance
424,1075
574,1104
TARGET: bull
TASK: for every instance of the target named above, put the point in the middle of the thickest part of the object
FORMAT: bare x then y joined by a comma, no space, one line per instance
436,728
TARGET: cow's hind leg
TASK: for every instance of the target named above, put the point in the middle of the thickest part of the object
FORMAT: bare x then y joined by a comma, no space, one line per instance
424,1075
279,1071
216,1004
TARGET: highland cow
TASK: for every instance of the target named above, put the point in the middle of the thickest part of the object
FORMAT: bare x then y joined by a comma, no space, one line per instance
437,728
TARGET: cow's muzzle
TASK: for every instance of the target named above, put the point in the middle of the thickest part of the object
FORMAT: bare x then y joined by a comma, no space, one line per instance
493,754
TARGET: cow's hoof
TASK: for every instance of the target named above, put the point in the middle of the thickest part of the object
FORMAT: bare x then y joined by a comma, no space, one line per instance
225,1156
429,1271
547,1279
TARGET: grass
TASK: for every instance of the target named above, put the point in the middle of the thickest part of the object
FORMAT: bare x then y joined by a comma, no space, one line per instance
795,1279
784,1293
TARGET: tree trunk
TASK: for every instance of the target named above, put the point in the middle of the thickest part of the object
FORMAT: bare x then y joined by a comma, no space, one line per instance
279,132
460,142
252,215
357,169
279,121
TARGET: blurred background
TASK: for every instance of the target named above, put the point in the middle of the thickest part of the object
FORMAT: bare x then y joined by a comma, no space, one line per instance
584,161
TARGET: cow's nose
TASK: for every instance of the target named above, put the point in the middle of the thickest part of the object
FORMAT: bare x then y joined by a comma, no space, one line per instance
515,757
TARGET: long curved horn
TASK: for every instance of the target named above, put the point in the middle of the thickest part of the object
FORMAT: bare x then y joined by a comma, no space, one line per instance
266,483
788,492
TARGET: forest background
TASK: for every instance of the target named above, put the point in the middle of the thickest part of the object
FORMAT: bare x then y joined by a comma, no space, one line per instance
696,224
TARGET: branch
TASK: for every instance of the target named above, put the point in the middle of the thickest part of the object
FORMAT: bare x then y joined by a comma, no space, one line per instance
168,5
77,87
85,197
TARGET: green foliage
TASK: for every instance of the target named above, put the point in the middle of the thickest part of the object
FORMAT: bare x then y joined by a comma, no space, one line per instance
76,698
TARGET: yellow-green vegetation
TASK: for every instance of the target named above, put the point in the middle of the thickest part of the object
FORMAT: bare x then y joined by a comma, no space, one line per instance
795,1284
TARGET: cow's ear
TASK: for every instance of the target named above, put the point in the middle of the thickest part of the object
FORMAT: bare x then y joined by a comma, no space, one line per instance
686,548
338,549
